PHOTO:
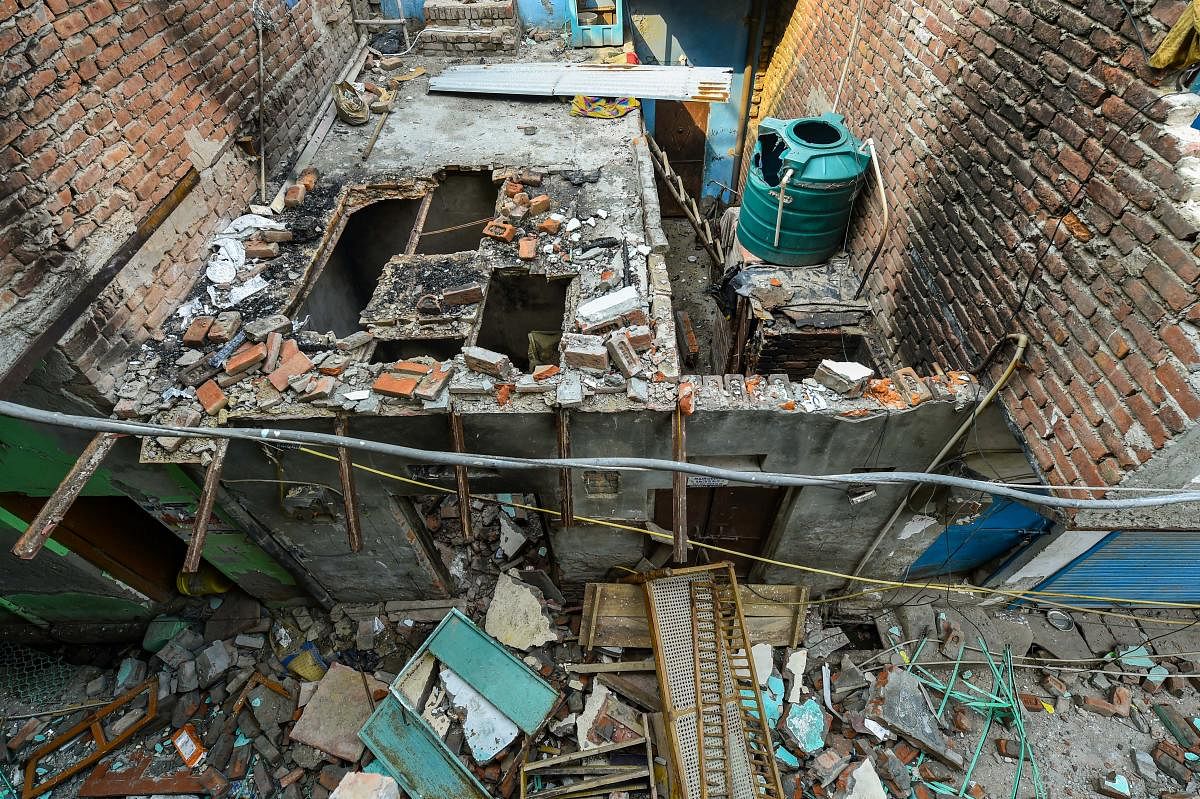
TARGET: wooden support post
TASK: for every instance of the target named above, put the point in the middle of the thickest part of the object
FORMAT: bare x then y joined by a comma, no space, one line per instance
208,497
679,492
354,535
414,237
567,499
460,476
42,527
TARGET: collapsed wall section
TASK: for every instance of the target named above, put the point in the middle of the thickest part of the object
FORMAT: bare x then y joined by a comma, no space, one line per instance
1002,126
113,105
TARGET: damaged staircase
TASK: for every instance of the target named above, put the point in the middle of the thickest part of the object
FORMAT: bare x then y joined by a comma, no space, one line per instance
716,721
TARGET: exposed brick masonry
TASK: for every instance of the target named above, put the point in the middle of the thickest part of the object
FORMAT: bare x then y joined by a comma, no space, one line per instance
107,105
988,116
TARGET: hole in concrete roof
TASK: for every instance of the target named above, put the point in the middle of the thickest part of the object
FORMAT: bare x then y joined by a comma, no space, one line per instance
372,235
523,318
460,198
387,351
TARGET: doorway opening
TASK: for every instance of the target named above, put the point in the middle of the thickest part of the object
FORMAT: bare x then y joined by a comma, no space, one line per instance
348,278
735,517
523,318
460,201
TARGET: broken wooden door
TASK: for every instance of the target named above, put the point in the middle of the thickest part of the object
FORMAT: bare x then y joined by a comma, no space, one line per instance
734,517
681,129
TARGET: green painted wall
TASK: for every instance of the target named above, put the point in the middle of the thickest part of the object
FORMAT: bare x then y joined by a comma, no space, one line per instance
32,463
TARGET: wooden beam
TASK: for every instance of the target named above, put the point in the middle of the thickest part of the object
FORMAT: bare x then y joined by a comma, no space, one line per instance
460,477
606,668
566,492
679,551
354,534
42,527
414,236
204,509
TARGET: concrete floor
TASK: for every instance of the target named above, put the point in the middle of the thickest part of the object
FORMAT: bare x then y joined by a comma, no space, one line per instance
688,267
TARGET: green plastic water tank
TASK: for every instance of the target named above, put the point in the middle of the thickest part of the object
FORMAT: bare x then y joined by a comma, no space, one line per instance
819,165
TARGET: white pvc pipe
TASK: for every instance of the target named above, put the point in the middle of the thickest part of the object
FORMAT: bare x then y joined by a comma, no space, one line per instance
779,215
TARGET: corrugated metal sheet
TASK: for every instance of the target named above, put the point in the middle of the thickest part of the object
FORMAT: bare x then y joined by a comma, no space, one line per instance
561,79
1138,565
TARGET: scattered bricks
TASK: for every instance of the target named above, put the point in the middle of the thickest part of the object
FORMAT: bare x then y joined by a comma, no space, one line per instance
527,248
585,352
330,776
247,356
395,385
1094,704
274,345
355,340
641,337
607,309
320,389
294,196
224,327
906,752
1122,700
259,329
1032,703
418,368
539,204
620,348
499,230
491,363
465,294
1055,686
433,383
504,392
308,178
262,250
292,776
1114,785
1007,747
512,188
550,226
963,719
828,765
522,199
197,331
211,397
211,663
335,363
276,236
291,365
545,371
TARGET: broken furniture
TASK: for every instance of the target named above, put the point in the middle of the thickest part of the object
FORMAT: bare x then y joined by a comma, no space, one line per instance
614,614
597,779
716,722
501,696
107,734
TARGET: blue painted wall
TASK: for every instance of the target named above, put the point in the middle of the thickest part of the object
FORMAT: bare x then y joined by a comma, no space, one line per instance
707,33
1002,526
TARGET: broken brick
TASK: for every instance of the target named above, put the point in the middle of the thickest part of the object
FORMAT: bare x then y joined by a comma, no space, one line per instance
277,236
432,384
585,352
488,362
527,248
308,178
550,226
245,357
1008,747
412,367
545,371
319,389
294,196
499,230
1031,703
503,394
620,349
197,331
274,345
512,188
224,327
290,365
261,249
522,199
395,385
211,397
539,204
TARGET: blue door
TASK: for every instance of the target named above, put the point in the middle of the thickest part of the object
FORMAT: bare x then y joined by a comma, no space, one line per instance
1005,525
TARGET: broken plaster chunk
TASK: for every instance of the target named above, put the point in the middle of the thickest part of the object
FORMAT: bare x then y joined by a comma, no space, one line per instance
585,352
570,392
608,308
516,617
364,785
512,538
797,661
488,362
486,730
845,377
764,661
864,783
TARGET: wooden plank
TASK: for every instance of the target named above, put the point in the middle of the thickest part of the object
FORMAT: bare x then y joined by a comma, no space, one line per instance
204,508
641,689
579,788
461,482
354,536
42,527
618,615
571,757
605,668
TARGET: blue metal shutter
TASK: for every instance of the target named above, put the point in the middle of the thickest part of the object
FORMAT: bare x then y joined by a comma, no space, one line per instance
1137,565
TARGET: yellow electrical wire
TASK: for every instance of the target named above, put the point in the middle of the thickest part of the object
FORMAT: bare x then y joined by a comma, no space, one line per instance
1030,595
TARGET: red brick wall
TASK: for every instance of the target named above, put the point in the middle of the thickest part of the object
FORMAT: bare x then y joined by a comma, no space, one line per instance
989,115
107,104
